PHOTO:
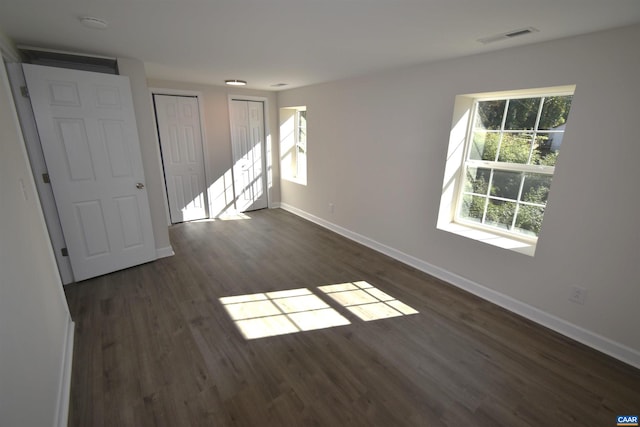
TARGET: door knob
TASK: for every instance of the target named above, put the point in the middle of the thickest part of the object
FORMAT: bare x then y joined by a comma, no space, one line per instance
139,186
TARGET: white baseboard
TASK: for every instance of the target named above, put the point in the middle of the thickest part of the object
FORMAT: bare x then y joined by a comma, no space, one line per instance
164,252
64,393
577,333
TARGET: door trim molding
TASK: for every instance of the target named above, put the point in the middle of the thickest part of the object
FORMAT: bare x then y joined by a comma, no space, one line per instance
38,167
208,170
267,150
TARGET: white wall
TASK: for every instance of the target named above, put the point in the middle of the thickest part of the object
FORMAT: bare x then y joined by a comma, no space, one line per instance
218,136
377,150
35,325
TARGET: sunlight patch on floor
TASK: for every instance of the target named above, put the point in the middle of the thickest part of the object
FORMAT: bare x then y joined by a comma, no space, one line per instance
366,301
281,312
295,310
228,216
233,216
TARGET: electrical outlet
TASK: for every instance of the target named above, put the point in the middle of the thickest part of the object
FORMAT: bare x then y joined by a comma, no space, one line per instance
331,207
578,295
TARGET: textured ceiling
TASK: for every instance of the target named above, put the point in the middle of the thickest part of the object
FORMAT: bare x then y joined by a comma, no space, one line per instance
298,42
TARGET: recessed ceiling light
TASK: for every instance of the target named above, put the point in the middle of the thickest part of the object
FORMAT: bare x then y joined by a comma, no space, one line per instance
92,22
236,82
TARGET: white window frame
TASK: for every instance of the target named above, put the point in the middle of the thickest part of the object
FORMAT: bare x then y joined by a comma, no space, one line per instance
458,160
294,168
298,144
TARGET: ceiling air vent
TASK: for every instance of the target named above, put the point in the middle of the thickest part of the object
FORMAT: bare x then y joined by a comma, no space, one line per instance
508,35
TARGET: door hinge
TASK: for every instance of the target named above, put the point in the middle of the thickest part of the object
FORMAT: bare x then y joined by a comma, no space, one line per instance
64,251
24,91
45,178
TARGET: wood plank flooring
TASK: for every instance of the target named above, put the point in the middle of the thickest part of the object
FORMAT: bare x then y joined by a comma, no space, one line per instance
155,346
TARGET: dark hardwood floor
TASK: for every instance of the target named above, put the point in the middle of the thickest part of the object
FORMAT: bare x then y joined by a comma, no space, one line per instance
155,346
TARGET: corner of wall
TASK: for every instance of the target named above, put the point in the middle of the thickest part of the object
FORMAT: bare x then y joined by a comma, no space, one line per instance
64,395
8,49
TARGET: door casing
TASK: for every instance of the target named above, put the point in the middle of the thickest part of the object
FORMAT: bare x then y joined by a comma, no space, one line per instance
39,167
195,168
207,164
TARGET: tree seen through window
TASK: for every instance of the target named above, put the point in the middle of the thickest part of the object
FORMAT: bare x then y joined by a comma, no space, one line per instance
513,147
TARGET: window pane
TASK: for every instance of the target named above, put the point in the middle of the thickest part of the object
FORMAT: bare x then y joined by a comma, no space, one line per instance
522,113
302,127
515,147
506,184
546,148
489,114
500,213
529,219
484,146
472,208
536,188
555,112
301,165
477,180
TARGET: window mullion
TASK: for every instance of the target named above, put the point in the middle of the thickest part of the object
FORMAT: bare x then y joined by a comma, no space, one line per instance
296,124
515,213
502,123
535,129
486,199
515,167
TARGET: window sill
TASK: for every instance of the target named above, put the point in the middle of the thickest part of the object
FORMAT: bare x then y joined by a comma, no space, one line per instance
489,238
298,181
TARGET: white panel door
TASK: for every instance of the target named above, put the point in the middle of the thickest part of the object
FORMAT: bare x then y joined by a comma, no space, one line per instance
178,119
248,147
90,143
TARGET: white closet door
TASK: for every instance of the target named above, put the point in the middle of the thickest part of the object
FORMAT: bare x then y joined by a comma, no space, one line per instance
90,142
178,119
248,147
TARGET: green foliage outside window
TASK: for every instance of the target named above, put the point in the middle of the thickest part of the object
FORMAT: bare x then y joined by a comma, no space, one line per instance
525,131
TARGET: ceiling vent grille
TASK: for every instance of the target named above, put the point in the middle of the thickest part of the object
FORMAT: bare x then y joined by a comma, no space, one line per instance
75,61
508,35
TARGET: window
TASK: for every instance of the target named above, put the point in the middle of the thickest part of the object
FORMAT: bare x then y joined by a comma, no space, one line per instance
507,161
293,143
301,144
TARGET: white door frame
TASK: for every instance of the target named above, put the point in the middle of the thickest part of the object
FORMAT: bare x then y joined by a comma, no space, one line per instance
39,167
267,162
205,149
